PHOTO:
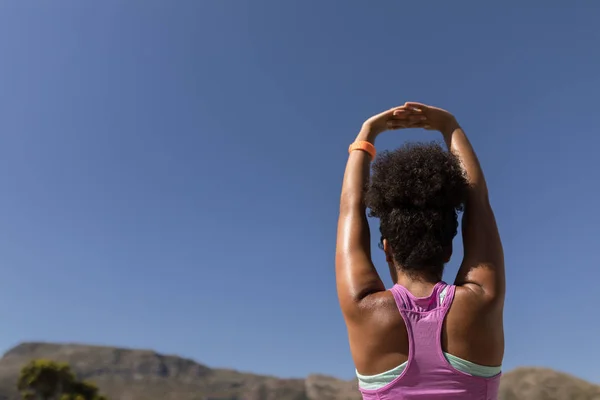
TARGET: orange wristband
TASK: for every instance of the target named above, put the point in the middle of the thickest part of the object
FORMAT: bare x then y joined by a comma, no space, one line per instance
364,146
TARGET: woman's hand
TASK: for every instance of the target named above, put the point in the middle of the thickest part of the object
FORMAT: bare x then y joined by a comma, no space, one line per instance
395,118
434,118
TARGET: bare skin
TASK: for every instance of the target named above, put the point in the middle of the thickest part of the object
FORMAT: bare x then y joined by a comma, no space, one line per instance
473,329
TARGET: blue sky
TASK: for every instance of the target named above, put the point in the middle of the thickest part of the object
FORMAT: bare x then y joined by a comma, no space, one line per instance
170,171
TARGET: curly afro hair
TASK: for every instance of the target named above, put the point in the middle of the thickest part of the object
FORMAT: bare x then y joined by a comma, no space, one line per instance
416,192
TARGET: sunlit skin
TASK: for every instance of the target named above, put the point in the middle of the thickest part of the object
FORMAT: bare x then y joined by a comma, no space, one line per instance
474,327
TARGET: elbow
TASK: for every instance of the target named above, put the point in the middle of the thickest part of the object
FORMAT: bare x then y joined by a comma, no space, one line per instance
352,199
350,205
353,209
479,204
479,193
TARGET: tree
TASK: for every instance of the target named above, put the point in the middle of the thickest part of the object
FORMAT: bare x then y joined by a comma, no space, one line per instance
84,391
50,380
44,379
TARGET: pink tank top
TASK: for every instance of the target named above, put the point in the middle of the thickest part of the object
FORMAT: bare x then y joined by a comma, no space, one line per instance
428,375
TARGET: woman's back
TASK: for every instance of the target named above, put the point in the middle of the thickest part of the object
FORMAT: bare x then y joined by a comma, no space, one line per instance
412,342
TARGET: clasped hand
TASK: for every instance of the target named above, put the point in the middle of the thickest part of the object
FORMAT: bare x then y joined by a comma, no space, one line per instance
411,115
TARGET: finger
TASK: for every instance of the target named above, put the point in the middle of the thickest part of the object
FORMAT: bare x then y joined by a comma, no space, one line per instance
389,113
408,117
405,109
402,114
414,104
394,109
411,105
414,118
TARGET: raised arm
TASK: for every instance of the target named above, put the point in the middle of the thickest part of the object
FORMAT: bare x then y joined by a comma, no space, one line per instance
356,276
482,268
483,262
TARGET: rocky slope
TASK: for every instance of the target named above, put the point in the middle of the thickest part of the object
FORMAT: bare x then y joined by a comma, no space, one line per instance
545,384
145,375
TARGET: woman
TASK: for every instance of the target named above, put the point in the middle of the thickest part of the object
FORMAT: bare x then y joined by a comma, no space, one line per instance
422,339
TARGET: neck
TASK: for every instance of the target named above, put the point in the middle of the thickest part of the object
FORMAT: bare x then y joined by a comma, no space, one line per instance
419,285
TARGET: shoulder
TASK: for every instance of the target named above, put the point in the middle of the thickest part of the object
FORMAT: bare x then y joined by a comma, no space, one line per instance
473,297
375,307
471,307
379,300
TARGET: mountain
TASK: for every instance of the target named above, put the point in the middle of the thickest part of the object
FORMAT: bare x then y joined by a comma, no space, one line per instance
545,384
124,374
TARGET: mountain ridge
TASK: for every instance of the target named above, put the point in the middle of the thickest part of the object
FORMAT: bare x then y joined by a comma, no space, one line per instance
140,374
29,344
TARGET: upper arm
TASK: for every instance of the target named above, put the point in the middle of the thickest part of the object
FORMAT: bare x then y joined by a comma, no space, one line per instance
482,268
356,276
